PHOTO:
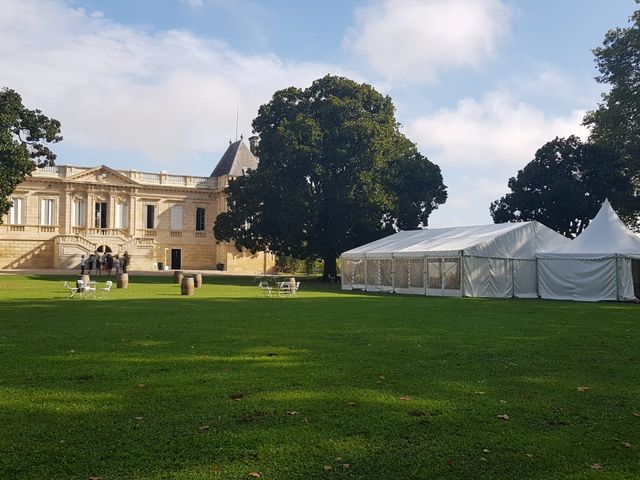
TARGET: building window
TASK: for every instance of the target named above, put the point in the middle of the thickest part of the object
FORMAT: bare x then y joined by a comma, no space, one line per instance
17,211
47,211
150,220
176,217
101,215
79,213
122,215
200,219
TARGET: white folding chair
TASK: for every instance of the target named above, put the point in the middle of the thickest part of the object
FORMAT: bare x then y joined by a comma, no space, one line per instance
71,291
85,289
284,288
265,288
103,292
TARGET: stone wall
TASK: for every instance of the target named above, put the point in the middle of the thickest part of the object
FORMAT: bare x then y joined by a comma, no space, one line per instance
26,254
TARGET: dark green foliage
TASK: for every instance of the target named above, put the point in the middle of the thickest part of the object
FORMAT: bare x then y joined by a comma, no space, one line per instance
616,121
321,378
308,266
564,186
334,172
23,134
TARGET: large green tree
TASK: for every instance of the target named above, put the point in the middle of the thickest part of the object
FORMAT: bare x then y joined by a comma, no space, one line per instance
24,135
616,121
565,185
334,172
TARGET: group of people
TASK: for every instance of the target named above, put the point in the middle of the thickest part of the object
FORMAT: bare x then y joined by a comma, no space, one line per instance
104,263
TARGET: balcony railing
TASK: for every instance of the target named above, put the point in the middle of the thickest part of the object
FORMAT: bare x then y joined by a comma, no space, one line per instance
28,229
103,232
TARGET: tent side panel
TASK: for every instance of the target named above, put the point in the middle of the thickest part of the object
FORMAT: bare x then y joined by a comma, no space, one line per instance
379,277
578,279
409,275
625,280
525,282
487,277
352,273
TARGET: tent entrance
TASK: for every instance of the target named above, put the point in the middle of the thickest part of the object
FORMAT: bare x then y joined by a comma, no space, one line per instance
635,272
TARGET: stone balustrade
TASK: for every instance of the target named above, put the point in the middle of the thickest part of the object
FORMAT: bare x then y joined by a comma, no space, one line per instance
144,178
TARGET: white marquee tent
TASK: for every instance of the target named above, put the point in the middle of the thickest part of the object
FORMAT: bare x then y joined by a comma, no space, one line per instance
480,261
596,266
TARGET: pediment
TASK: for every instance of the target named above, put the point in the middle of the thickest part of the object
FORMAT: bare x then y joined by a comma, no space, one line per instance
102,175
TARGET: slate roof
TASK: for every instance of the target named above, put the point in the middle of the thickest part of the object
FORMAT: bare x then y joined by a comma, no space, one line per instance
235,161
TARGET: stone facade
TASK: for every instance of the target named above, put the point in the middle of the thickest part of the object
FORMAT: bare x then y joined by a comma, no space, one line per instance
61,213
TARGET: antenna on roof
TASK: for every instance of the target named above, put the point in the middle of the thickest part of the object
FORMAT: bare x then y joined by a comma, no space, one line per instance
237,114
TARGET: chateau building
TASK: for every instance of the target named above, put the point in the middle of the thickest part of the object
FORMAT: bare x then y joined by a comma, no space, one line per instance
62,212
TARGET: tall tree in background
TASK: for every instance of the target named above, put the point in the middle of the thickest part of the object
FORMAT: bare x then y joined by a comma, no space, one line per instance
334,172
565,185
23,134
616,121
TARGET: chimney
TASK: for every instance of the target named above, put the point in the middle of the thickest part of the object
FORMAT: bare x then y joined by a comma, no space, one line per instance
253,144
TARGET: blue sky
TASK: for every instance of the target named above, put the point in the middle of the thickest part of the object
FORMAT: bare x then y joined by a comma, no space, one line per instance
154,85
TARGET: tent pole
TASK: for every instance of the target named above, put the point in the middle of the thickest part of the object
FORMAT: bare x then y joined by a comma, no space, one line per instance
425,275
617,281
462,272
366,277
537,278
393,273
513,279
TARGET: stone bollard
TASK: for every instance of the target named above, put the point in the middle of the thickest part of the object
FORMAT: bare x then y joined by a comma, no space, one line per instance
187,286
178,276
197,280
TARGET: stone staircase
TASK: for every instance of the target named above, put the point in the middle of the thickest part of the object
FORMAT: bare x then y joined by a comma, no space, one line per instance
70,249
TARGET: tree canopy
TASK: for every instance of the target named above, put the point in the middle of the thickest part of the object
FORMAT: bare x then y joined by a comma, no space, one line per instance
23,137
334,172
565,185
616,121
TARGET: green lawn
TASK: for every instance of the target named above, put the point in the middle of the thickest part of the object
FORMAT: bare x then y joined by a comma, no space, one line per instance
152,385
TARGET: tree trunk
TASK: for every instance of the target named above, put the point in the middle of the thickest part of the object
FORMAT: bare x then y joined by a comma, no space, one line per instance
329,268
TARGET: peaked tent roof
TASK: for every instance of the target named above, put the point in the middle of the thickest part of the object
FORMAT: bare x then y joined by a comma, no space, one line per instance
605,235
235,161
504,240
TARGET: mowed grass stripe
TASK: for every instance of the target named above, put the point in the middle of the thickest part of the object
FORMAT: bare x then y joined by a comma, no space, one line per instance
152,385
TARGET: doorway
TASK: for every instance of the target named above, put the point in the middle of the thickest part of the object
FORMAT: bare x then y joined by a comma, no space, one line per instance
176,259
101,215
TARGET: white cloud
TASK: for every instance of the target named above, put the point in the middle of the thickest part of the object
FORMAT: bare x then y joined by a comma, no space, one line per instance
412,40
192,3
496,131
479,144
167,95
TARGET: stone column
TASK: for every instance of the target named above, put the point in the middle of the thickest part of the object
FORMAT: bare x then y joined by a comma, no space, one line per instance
90,213
133,209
